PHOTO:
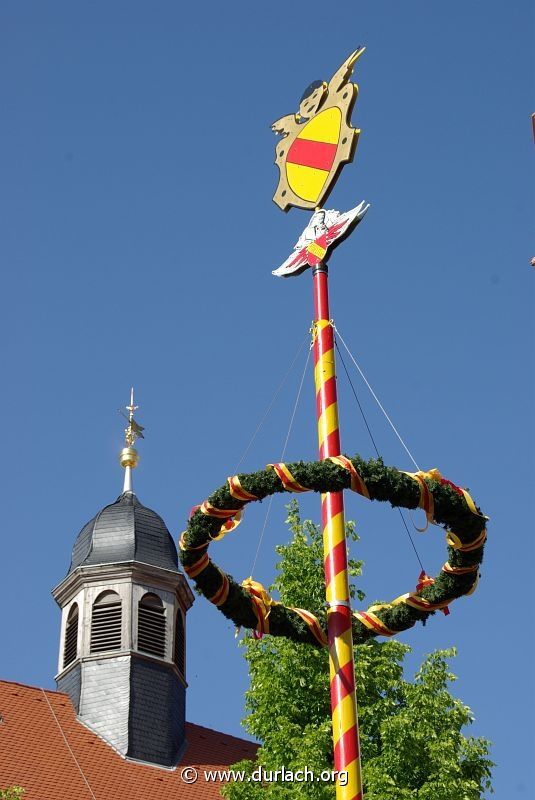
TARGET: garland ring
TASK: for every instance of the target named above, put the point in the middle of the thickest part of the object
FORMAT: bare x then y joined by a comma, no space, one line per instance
250,605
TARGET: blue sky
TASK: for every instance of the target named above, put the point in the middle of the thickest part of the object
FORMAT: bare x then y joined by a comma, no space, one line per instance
137,239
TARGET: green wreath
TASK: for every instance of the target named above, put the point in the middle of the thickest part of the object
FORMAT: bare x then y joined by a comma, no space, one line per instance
250,606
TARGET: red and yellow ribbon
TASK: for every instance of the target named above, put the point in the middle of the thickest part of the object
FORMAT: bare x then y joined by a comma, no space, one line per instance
415,601
424,580
426,496
372,621
192,570
462,492
454,542
263,603
222,593
238,492
287,479
188,548
313,625
232,517
220,513
357,484
459,570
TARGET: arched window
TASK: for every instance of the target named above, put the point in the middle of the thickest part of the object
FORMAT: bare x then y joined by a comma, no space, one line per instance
180,644
70,650
106,623
151,625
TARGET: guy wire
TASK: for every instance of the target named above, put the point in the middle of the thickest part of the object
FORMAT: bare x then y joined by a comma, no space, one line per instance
363,376
375,446
282,457
270,405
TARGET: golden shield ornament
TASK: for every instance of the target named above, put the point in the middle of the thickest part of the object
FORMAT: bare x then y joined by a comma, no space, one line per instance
317,141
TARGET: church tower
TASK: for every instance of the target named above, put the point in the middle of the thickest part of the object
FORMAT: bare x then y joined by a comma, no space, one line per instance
123,608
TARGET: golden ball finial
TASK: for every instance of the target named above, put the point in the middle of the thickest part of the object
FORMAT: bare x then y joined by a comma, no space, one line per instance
129,457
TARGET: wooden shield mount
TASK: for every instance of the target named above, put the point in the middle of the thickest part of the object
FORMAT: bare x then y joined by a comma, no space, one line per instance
317,141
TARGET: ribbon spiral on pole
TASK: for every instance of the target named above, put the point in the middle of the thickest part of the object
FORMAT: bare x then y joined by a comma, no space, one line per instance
339,624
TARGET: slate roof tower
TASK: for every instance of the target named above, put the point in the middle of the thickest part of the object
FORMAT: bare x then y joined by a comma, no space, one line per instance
122,644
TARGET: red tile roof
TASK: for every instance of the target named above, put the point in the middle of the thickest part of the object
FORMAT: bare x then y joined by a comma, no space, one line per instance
46,750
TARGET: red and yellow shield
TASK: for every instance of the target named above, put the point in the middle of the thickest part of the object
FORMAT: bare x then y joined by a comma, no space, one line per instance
317,141
311,156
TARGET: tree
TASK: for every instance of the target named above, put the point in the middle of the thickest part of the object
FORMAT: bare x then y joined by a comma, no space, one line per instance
411,733
12,793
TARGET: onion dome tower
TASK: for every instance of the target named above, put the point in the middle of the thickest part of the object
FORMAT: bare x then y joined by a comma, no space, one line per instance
123,607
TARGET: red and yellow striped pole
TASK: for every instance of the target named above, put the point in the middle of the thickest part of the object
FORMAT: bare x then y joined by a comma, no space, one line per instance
341,662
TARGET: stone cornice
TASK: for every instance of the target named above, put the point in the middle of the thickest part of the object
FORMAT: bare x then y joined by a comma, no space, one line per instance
121,654
127,570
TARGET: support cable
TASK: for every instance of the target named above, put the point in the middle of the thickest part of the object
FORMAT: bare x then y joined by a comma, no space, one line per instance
282,457
270,404
363,376
375,446
68,746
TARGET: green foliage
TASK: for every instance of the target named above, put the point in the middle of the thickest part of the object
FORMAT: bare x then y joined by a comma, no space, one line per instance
411,733
12,793
383,484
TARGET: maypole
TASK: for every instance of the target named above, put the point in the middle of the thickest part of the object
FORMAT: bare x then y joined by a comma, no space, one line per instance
341,662
316,143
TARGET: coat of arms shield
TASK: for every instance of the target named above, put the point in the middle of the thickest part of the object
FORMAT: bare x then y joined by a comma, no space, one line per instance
317,141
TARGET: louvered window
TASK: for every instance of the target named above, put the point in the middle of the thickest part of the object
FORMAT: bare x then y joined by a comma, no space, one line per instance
151,624
179,648
71,637
106,623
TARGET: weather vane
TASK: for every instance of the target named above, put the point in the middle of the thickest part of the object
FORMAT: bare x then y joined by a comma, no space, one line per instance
134,431
129,457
